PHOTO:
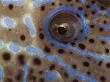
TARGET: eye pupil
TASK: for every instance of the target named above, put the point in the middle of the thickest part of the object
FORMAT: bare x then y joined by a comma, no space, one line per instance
62,30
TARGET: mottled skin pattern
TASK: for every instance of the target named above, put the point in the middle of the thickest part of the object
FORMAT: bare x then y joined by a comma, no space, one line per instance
13,63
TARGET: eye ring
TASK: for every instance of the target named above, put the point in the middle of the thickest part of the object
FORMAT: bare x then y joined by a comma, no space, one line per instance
81,24
65,26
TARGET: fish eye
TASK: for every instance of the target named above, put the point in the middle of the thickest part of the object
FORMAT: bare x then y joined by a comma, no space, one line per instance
65,26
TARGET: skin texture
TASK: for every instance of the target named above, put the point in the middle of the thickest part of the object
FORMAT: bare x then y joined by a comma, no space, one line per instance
13,64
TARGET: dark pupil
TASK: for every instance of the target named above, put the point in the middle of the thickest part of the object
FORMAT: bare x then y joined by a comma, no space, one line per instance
62,30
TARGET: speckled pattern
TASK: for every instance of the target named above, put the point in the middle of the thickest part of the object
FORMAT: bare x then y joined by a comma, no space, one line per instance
38,57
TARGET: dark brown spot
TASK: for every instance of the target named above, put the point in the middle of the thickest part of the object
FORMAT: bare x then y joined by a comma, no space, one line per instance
103,42
21,59
102,78
74,66
37,61
22,37
91,41
87,6
80,8
41,36
75,80
52,67
8,80
100,63
68,0
53,3
88,73
40,72
101,29
92,2
10,6
81,46
92,26
6,56
47,49
107,50
42,8
93,12
108,65
86,64
33,78
61,51
41,80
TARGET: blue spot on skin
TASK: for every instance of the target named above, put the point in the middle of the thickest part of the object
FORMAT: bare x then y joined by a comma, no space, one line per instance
16,2
6,2
35,51
1,44
83,1
40,2
106,27
52,75
30,25
8,22
14,47
26,68
1,73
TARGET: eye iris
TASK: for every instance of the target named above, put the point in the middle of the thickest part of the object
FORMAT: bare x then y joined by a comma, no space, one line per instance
65,26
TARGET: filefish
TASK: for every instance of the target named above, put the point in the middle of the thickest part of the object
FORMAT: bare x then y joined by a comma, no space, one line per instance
54,40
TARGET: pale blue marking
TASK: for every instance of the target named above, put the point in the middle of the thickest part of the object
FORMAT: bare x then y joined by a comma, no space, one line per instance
106,27
1,73
40,2
35,51
18,2
101,11
14,47
8,22
6,2
30,25
108,12
53,58
1,44
26,70
83,1
59,61
51,75
107,39
94,6
95,18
